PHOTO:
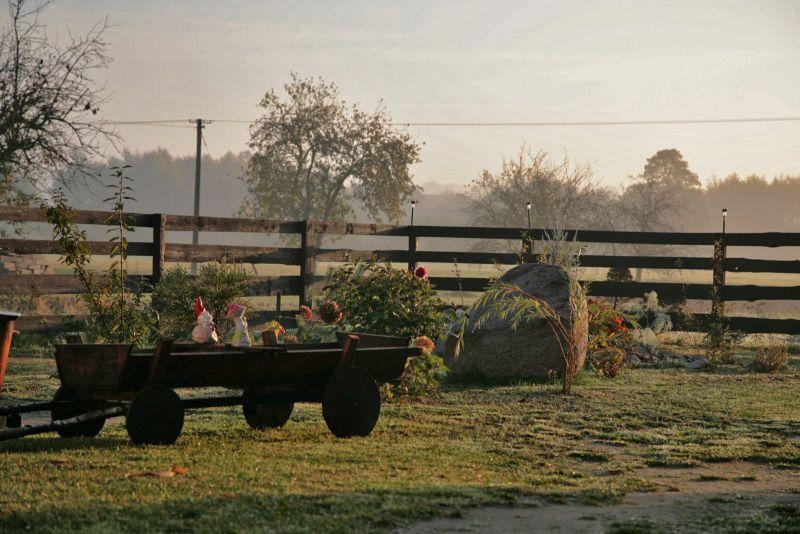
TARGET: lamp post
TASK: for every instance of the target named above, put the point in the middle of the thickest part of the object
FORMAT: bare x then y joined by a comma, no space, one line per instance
412,241
528,207
724,217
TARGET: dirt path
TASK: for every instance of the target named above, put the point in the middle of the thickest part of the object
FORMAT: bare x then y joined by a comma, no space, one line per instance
686,497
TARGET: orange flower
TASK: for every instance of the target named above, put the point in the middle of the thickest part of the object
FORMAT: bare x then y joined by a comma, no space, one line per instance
425,343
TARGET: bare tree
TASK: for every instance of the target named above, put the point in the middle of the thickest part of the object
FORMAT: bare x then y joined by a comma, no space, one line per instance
562,195
48,100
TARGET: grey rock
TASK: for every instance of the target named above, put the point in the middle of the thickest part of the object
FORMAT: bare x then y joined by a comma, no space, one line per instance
698,362
439,346
530,351
632,359
661,323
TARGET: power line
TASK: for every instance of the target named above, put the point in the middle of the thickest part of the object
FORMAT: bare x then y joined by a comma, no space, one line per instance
479,124
219,182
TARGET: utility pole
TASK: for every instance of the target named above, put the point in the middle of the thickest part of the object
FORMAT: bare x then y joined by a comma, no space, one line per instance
198,157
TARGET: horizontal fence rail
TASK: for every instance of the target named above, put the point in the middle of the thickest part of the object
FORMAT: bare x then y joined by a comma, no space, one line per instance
308,255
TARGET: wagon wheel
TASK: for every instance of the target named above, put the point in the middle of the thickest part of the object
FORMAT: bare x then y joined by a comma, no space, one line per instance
13,420
263,415
351,403
65,406
155,416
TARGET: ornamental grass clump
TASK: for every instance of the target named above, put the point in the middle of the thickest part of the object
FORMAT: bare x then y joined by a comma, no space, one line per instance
508,302
771,359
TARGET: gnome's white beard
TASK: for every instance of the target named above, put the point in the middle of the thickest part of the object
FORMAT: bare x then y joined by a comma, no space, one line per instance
204,331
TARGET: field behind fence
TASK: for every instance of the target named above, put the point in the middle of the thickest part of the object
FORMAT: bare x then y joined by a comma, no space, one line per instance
308,260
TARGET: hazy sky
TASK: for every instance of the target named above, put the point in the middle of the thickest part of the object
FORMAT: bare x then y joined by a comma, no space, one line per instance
471,61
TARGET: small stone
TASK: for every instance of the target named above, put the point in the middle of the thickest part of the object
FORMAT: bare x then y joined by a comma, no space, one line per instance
698,362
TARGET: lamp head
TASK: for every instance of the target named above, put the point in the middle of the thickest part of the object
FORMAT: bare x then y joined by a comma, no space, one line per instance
528,206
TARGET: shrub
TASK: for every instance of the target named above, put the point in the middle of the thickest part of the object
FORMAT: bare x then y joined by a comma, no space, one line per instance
117,311
377,298
422,375
609,337
607,362
219,284
720,341
771,359
173,300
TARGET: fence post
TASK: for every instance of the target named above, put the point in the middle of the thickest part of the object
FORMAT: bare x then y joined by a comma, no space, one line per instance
718,280
412,248
159,245
527,248
308,261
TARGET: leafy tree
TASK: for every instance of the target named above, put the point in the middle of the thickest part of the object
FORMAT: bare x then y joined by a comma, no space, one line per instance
659,197
315,157
48,101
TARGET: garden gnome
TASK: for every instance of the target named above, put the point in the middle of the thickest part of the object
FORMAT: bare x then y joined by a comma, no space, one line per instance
204,332
240,337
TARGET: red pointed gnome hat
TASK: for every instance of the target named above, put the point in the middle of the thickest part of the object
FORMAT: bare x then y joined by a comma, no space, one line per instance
198,306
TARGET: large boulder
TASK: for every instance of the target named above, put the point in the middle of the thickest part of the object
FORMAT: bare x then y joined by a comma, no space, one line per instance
532,350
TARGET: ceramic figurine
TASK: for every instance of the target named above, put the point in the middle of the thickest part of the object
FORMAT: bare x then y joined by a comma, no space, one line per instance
240,337
204,332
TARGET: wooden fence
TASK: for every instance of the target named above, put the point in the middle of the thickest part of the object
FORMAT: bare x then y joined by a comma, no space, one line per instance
308,255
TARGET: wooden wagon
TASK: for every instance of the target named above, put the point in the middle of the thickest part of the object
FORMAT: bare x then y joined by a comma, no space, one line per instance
102,381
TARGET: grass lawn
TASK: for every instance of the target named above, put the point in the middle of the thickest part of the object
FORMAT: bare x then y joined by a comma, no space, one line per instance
473,445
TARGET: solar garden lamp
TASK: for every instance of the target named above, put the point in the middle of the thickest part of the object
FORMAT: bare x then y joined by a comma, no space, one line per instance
413,205
528,207
724,217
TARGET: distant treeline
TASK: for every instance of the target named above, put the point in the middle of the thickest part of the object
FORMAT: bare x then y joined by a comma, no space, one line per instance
165,183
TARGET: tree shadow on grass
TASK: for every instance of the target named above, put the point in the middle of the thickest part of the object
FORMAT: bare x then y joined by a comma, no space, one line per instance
245,510
29,445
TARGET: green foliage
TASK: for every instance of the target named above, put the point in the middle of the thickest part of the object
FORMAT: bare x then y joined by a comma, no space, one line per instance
314,330
610,338
114,316
173,300
721,341
380,299
315,157
221,284
218,284
422,378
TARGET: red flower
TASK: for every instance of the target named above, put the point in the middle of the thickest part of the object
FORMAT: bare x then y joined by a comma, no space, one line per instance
305,312
329,312
421,272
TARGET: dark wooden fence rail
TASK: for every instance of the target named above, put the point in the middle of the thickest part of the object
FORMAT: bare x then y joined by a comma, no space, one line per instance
308,255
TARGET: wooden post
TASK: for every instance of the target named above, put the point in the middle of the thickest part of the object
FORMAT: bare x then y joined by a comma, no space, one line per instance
308,261
159,245
412,248
6,333
158,365
527,247
718,279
